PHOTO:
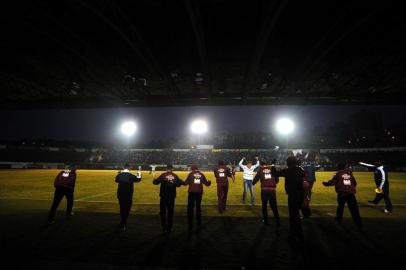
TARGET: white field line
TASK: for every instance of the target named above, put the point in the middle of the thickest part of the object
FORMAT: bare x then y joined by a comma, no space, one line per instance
211,204
92,196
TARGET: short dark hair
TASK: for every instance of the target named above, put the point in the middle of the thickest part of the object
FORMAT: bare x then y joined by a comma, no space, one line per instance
221,162
126,166
341,166
169,166
194,167
378,163
263,163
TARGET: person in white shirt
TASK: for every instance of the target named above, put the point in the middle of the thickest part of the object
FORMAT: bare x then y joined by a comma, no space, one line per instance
382,185
248,177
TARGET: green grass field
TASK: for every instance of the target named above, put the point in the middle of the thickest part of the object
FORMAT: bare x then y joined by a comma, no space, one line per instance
98,186
234,239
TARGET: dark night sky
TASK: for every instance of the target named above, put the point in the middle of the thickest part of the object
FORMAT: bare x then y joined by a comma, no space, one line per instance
172,122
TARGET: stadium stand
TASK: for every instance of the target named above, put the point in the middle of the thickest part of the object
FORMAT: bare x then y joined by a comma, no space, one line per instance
394,158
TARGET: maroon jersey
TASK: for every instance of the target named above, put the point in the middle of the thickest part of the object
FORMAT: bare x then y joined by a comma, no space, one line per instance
344,182
169,181
267,177
196,180
66,178
222,173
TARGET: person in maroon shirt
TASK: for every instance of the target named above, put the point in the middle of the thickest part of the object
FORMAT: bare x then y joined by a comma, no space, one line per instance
222,173
169,181
64,187
266,175
345,185
195,180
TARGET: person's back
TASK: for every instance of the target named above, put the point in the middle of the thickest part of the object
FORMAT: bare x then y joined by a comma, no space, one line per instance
66,178
169,182
266,175
293,179
345,182
196,179
126,180
222,173
310,170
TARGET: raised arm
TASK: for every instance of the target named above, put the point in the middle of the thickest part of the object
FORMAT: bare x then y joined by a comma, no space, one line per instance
240,163
256,164
366,164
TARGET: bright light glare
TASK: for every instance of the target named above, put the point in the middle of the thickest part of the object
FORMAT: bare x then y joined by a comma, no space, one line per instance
128,128
198,127
285,126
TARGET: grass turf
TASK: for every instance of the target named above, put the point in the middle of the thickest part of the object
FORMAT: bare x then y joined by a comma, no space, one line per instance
90,239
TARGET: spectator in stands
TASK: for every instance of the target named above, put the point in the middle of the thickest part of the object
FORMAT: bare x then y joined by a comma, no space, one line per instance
125,190
382,185
169,181
195,180
64,187
248,176
345,186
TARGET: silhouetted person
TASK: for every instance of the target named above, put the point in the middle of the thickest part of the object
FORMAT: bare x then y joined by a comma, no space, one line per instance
64,187
125,191
169,181
294,178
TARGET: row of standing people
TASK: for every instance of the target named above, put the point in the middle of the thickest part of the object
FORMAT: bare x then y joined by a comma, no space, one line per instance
298,185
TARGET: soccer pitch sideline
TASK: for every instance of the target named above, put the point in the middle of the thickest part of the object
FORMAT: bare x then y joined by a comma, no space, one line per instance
234,240
96,190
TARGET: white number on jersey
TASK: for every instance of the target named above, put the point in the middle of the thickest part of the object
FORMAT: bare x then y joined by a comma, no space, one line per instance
268,176
222,174
197,181
347,182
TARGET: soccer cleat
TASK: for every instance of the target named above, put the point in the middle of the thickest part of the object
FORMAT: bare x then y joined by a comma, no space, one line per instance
71,214
50,222
123,229
372,202
265,222
386,211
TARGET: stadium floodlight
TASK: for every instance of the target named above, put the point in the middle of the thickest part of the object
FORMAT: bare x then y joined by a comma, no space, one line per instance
199,127
285,126
128,128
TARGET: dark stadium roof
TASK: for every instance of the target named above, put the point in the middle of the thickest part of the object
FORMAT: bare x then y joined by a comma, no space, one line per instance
210,52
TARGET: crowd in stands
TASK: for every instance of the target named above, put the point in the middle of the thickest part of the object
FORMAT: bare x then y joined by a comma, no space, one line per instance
204,157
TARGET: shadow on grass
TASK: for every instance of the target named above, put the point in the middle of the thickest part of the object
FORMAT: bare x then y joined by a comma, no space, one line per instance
92,239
